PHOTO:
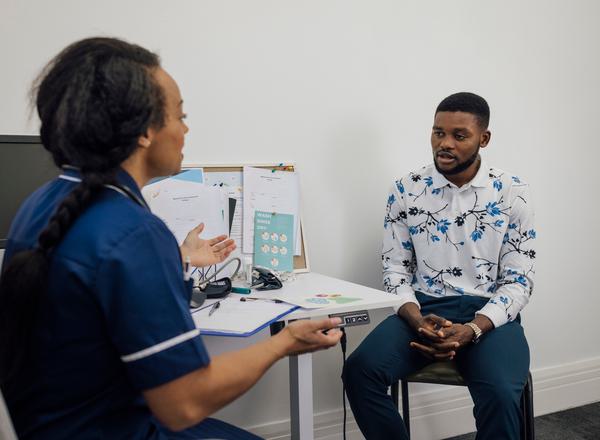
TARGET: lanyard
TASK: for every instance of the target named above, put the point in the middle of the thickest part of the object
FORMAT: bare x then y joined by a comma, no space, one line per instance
123,190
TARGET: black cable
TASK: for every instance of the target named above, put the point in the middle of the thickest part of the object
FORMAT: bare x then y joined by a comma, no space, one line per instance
343,345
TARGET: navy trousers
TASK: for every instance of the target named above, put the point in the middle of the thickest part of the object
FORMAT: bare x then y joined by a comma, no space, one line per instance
212,429
495,370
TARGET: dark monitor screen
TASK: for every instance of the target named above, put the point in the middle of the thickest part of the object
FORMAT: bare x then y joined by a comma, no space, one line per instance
24,166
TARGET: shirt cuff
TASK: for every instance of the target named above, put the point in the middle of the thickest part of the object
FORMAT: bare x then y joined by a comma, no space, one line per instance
494,313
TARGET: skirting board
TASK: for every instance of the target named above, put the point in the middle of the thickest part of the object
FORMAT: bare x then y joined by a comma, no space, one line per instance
439,412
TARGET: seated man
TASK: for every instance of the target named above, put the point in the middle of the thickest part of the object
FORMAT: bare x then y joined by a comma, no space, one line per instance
457,249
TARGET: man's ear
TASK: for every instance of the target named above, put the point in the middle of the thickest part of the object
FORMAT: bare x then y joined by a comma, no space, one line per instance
485,138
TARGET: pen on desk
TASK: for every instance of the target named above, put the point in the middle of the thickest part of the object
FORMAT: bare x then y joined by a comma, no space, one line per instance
214,307
261,299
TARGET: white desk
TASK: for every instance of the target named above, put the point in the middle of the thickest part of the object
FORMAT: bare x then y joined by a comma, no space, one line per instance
301,389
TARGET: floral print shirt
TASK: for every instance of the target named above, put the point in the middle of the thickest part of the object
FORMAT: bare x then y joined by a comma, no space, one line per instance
478,239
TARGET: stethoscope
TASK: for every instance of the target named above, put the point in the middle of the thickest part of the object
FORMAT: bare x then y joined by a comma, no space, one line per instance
123,190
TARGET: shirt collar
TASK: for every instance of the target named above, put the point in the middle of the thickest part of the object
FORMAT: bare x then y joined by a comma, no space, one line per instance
122,176
482,177
439,181
479,180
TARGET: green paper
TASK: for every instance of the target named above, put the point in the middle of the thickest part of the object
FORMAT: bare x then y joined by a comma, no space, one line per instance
274,241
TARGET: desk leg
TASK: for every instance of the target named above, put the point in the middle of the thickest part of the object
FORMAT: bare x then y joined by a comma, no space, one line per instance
301,397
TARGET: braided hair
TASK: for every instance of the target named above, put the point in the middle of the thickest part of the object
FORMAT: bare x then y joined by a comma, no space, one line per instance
94,99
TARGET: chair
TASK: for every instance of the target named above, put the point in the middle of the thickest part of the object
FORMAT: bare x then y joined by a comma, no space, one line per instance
446,373
7,431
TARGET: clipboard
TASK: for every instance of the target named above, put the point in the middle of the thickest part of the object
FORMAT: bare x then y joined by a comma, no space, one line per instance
239,319
301,263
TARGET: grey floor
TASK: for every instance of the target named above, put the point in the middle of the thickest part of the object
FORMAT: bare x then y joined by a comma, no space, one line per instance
582,423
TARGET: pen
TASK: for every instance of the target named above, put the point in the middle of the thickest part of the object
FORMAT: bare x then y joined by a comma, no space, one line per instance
186,273
214,307
261,299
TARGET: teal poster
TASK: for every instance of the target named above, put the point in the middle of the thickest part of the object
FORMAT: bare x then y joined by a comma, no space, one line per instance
274,241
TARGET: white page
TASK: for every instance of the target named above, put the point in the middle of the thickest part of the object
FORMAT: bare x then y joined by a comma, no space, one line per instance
309,300
238,317
290,299
183,205
231,183
265,190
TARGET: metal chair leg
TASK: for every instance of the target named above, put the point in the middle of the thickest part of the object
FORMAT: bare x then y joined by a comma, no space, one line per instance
405,406
527,427
527,405
524,420
394,393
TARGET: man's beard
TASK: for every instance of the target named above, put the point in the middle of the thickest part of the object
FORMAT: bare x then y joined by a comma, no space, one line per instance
460,167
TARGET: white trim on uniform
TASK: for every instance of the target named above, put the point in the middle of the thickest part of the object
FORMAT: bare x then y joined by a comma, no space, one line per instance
160,346
71,178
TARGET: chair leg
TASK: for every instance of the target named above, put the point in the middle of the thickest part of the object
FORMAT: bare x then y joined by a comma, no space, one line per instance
528,430
394,393
405,407
524,421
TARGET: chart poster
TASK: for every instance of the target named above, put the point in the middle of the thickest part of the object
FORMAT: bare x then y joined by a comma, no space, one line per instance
274,241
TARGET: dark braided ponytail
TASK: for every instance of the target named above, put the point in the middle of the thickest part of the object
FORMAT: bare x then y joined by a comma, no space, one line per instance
95,99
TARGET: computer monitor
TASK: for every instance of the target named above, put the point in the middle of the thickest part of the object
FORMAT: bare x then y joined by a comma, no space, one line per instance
24,166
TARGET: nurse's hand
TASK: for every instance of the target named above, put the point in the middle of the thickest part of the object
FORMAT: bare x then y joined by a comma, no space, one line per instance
205,253
305,336
189,399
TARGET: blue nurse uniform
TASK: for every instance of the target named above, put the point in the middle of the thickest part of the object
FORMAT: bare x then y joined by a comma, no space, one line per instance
113,321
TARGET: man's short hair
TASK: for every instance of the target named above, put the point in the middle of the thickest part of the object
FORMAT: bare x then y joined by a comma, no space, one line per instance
469,103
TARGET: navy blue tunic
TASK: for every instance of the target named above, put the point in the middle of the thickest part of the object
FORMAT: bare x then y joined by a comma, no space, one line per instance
114,319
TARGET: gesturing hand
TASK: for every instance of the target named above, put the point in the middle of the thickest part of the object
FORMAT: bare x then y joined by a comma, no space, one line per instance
307,335
204,253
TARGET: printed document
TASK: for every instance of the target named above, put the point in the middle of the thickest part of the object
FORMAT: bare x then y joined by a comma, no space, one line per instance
270,191
231,183
183,205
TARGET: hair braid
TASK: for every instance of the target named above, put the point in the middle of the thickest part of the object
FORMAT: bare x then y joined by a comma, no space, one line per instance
70,209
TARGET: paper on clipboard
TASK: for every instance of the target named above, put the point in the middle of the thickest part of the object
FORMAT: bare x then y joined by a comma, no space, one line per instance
239,318
270,191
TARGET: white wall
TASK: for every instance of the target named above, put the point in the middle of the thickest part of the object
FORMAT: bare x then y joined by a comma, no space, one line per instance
347,89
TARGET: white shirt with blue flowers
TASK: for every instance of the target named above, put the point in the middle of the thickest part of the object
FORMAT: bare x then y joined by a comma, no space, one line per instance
477,240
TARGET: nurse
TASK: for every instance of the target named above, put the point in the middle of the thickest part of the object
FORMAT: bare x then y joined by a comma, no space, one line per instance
96,337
